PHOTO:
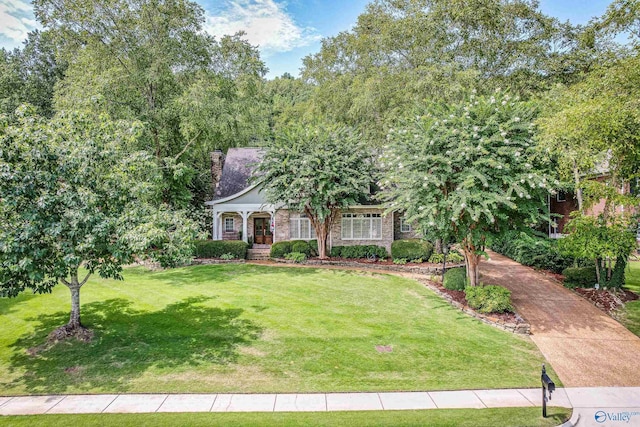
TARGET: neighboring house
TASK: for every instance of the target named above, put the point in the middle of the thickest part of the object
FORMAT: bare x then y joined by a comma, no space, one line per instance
563,203
240,211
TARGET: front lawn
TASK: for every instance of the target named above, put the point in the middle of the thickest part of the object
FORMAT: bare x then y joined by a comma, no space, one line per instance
505,417
249,328
632,311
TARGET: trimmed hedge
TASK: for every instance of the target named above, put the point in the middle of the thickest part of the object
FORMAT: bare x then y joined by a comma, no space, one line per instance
580,277
217,248
489,299
358,251
455,279
301,246
280,249
411,249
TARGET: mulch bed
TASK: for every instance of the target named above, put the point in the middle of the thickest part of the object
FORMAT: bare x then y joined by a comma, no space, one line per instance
608,301
459,297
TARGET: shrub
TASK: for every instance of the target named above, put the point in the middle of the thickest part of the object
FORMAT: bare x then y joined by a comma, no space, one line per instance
489,299
455,279
217,248
280,249
399,261
452,257
296,257
313,244
227,256
358,251
580,277
411,249
301,246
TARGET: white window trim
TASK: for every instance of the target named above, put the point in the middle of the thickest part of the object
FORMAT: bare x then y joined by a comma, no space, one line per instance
301,221
564,196
233,225
405,227
351,216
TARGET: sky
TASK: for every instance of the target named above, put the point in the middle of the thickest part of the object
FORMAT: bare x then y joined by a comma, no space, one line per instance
285,31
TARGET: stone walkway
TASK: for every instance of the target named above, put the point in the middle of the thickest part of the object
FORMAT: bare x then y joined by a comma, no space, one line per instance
586,347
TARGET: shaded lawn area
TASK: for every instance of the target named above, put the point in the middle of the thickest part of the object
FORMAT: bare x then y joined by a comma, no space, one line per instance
632,310
250,328
505,417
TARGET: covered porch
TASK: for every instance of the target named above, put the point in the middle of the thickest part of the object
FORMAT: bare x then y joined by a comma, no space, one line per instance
252,224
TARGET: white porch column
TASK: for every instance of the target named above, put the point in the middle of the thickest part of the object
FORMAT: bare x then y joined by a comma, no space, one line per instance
245,217
213,224
217,225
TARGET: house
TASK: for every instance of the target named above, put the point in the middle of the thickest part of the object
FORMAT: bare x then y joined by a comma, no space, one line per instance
240,211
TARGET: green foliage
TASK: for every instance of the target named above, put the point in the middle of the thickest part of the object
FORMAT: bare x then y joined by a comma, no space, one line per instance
152,61
489,299
280,249
411,249
602,240
313,244
467,171
580,277
72,197
453,257
220,248
319,170
296,257
358,251
399,261
533,251
301,246
455,279
228,256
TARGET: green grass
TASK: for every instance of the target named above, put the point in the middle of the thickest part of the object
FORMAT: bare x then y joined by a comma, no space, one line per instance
505,417
632,311
249,328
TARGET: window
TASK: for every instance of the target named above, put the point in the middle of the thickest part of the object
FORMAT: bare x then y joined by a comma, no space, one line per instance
405,227
361,226
228,225
300,228
561,196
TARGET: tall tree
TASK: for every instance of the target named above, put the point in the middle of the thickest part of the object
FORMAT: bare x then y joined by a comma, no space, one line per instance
467,171
151,61
75,202
317,169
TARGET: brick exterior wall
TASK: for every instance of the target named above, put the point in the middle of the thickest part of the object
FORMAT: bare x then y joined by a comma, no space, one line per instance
237,227
564,209
282,226
398,234
387,230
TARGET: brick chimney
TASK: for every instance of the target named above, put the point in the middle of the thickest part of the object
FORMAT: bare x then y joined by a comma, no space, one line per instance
217,162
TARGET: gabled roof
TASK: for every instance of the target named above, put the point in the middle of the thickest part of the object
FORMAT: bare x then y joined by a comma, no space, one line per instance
239,166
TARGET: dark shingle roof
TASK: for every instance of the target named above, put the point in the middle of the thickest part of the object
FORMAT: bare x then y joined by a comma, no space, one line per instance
238,167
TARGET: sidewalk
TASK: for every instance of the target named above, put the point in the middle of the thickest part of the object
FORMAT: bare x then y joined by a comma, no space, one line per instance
598,398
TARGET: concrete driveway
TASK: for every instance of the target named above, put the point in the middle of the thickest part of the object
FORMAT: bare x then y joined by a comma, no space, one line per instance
586,347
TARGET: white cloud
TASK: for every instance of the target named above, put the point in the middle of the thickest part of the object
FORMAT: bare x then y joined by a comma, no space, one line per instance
16,20
266,23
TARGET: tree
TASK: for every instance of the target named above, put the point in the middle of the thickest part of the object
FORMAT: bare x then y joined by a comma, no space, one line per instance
317,169
152,61
29,75
467,171
75,202
602,241
593,128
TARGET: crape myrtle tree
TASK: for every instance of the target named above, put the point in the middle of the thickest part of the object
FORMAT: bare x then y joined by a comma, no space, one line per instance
467,171
74,202
317,169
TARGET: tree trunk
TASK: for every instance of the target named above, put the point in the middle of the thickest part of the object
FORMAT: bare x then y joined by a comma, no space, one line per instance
321,235
576,178
472,261
74,318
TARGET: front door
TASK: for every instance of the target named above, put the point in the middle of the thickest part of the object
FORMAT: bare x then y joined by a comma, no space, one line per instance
262,231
